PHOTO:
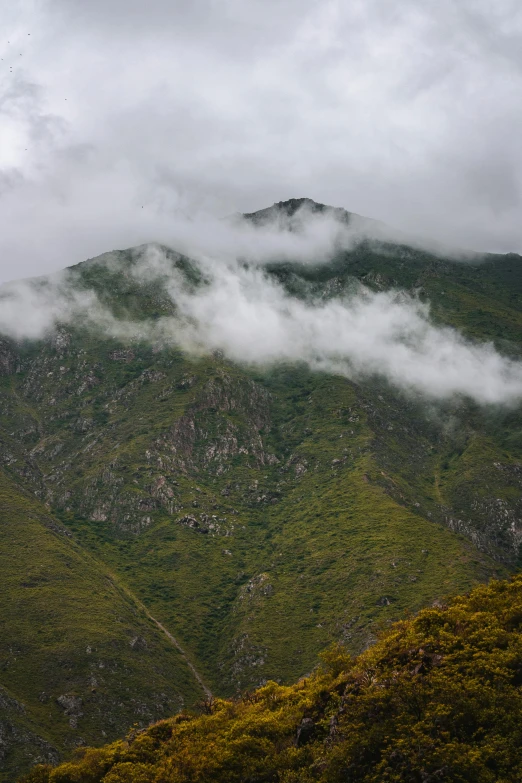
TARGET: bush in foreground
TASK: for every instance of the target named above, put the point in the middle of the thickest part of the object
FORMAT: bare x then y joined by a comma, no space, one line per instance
437,698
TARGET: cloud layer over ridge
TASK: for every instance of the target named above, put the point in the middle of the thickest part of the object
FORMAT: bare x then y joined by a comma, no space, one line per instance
242,311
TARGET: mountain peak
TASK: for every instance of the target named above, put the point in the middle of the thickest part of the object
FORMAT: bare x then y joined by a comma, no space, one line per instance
288,209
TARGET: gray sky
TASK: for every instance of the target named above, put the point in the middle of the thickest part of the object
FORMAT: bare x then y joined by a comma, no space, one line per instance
115,115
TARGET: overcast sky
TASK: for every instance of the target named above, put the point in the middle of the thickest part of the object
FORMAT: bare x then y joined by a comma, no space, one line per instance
117,114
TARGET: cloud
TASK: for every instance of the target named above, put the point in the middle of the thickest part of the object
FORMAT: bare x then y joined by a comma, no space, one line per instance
117,116
251,319
32,308
242,311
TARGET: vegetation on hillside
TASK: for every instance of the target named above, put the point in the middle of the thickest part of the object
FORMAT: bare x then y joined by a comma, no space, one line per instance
257,513
437,698
77,654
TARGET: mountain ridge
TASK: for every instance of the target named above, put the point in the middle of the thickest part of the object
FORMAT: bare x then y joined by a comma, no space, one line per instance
282,212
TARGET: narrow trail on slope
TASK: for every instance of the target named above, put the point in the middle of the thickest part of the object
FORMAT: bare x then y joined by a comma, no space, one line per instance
436,486
135,600
207,691
172,639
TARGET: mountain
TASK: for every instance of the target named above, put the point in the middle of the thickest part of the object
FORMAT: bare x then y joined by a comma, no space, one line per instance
177,522
297,209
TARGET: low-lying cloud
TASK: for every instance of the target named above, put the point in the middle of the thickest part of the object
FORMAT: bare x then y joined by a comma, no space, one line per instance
242,311
251,319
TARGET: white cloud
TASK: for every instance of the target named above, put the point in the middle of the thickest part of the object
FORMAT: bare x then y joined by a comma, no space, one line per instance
245,313
32,308
251,319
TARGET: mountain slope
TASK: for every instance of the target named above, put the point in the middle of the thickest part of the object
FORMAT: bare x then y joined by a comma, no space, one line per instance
77,654
178,480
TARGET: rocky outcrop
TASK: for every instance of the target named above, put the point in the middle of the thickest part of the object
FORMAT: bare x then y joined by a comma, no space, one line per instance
20,745
9,358
226,420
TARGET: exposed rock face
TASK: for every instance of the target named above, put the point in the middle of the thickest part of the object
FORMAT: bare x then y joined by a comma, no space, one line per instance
19,745
72,707
256,586
121,355
305,732
9,359
224,421
247,657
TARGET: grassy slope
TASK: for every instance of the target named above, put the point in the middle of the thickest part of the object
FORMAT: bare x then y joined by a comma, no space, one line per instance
67,629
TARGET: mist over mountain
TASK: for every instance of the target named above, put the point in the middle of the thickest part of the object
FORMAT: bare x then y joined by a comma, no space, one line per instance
241,307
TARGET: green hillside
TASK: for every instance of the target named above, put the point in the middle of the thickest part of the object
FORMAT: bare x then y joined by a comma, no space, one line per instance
436,699
78,655
258,513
